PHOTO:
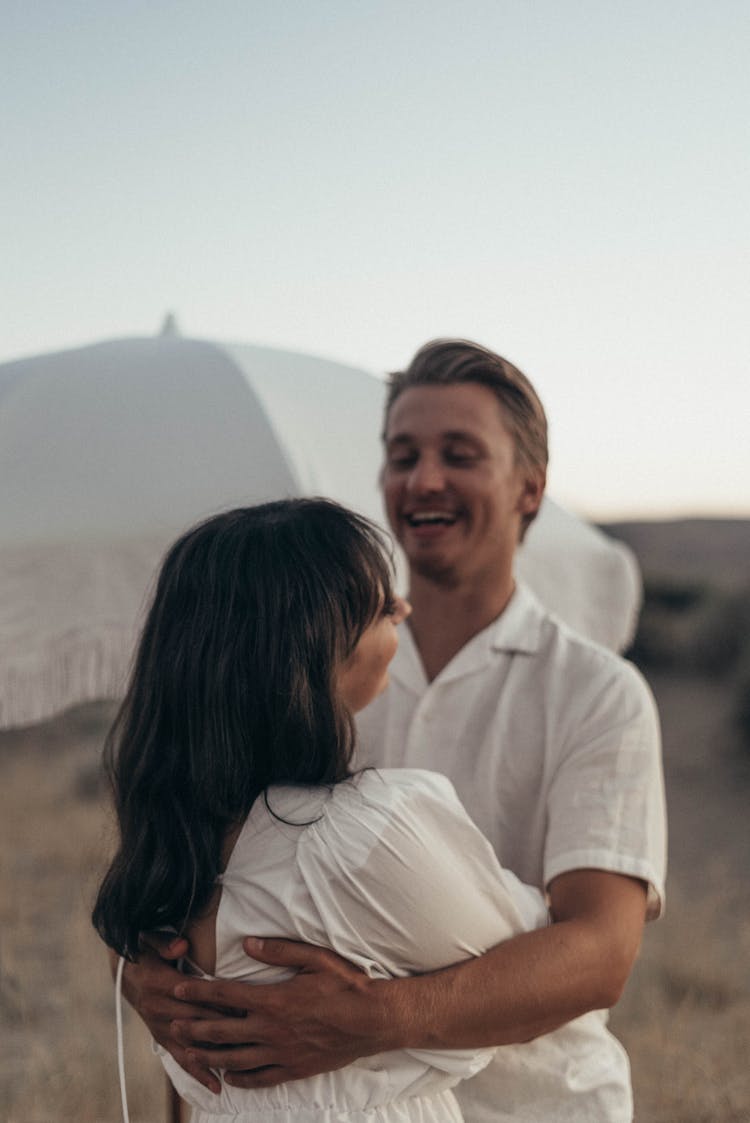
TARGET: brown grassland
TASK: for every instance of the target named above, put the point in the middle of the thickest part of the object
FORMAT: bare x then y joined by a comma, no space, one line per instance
685,1018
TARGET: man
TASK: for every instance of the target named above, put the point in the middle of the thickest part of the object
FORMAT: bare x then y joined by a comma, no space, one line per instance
551,742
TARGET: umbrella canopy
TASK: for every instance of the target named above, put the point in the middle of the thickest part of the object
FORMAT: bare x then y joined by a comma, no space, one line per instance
108,451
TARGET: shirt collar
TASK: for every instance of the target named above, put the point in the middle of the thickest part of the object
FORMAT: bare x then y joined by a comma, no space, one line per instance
518,627
516,630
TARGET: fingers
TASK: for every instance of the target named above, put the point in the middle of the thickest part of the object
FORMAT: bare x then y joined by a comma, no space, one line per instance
218,1045
148,985
231,1032
292,953
249,1067
170,1010
149,962
151,973
164,944
222,995
245,1059
199,1070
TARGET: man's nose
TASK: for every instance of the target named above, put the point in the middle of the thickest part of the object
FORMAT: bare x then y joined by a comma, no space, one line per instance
427,476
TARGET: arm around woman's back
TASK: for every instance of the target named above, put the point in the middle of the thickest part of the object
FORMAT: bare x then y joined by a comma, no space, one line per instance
330,1013
405,881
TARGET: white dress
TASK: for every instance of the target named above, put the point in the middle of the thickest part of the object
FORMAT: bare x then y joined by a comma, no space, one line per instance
389,871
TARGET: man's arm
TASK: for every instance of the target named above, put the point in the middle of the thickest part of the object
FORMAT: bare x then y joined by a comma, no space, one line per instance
330,1014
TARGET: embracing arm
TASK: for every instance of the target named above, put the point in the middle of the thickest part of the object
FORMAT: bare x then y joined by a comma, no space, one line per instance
330,1013
535,982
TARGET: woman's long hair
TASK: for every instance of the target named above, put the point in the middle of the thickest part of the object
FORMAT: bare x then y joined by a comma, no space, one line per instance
232,689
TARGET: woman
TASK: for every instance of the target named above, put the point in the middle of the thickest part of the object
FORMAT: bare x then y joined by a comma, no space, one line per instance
238,809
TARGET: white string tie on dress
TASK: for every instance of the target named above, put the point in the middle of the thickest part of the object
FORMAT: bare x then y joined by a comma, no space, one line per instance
120,1046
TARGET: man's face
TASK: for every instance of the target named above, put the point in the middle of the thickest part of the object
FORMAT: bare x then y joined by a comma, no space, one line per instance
454,493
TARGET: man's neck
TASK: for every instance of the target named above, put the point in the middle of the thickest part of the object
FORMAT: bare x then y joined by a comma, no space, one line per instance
445,617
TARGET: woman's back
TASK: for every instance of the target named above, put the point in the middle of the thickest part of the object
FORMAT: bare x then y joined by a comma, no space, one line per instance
387,870
269,628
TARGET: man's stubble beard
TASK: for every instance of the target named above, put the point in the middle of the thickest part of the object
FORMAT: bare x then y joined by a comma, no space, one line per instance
436,572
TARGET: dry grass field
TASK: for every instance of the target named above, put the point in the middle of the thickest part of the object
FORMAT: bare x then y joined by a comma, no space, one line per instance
685,1018
57,1012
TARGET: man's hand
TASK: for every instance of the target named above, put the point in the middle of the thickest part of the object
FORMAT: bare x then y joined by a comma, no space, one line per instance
323,1018
149,986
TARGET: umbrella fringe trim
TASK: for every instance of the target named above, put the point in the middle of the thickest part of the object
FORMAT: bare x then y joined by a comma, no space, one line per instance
75,669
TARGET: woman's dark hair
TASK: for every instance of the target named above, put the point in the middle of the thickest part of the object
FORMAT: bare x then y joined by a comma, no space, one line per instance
232,689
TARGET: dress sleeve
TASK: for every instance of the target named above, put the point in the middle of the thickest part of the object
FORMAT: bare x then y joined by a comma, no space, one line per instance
403,882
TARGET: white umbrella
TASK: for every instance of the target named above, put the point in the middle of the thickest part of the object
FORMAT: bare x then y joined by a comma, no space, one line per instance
108,451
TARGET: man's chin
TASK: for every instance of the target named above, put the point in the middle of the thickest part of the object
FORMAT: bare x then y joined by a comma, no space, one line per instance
434,569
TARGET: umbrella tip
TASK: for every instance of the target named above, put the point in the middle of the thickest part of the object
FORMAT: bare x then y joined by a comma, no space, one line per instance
169,325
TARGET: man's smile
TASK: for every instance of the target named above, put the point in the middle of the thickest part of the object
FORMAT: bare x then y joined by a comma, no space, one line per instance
430,517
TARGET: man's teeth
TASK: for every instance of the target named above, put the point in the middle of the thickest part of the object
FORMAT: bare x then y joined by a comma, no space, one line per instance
426,518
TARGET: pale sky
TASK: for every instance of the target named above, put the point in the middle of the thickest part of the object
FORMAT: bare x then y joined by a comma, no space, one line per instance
566,181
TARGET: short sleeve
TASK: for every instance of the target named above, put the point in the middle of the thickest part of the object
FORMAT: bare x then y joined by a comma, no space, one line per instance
403,883
606,804
404,878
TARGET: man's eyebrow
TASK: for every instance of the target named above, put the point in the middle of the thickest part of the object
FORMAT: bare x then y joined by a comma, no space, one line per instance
461,435
448,435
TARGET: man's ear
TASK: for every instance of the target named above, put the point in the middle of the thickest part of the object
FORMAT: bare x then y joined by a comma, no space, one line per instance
532,493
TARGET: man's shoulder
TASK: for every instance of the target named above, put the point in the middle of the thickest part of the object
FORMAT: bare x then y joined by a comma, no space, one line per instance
553,633
561,653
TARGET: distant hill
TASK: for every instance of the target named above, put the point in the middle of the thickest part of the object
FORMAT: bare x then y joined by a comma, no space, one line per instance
715,550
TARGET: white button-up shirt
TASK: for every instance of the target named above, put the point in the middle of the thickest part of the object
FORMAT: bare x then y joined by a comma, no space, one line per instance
553,746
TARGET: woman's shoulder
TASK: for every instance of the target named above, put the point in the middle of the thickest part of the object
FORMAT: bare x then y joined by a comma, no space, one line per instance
269,836
393,786
376,789
348,818
382,810
377,796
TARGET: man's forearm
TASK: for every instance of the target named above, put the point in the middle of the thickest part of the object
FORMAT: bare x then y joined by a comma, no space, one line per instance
529,985
518,990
